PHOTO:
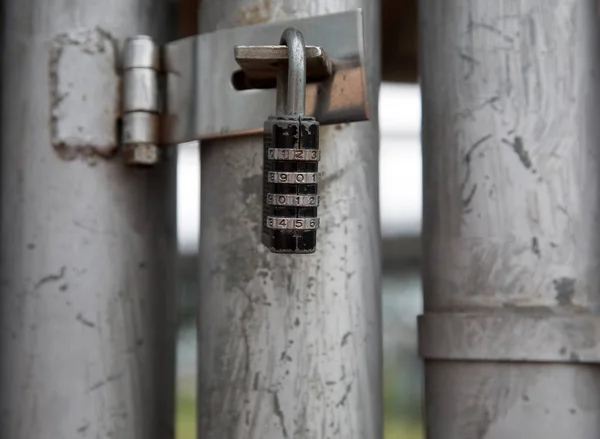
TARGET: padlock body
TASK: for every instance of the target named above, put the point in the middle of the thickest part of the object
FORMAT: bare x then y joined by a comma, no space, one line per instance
290,184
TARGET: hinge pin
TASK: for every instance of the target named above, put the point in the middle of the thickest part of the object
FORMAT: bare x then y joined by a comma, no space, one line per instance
140,137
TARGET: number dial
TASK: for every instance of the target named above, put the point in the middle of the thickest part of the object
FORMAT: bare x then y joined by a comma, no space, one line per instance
293,177
279,223
307,155
290,184
292,200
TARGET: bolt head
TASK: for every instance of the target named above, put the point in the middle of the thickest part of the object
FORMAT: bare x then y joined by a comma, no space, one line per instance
146,154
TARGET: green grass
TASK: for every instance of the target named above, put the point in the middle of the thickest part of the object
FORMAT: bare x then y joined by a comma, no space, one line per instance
186,423
185,418
399,429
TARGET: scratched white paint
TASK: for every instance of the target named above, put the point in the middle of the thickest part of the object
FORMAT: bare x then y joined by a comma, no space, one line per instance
84,110
511,207
85,255
511,144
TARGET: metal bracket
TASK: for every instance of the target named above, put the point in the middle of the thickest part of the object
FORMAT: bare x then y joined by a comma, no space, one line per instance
260,65
202,102
528,336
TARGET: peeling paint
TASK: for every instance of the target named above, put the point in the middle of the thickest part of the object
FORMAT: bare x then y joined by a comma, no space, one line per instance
342,401
51,278
565,290
108,380
345,338
535,247
84,427
84,94
519,148
279,413
85,321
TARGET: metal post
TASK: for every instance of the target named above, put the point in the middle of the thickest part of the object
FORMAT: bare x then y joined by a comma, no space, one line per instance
86,345
510,335
289,346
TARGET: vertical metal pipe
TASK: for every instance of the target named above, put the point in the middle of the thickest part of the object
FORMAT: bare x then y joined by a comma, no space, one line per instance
290,346
510,140
86,347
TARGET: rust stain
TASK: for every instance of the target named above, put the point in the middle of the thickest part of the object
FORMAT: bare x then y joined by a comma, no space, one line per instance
255,14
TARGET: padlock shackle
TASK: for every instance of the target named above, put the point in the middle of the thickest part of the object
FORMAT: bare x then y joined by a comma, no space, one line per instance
291,81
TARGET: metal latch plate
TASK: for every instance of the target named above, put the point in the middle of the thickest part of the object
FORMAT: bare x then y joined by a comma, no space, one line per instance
260,65
203,104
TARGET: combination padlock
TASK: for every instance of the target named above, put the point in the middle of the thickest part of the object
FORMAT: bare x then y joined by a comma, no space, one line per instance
291,160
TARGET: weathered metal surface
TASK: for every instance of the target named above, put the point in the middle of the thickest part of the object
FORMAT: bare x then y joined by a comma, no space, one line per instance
533,336
511,212
290,346
511,400
86,346
203,104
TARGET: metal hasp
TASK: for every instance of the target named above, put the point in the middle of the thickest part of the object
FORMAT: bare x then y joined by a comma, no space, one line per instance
260,65
290,158
510,334
202,102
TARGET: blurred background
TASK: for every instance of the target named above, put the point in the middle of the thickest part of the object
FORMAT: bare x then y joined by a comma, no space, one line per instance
400,203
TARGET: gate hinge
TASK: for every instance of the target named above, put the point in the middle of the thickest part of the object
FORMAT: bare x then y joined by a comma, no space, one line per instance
141,103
